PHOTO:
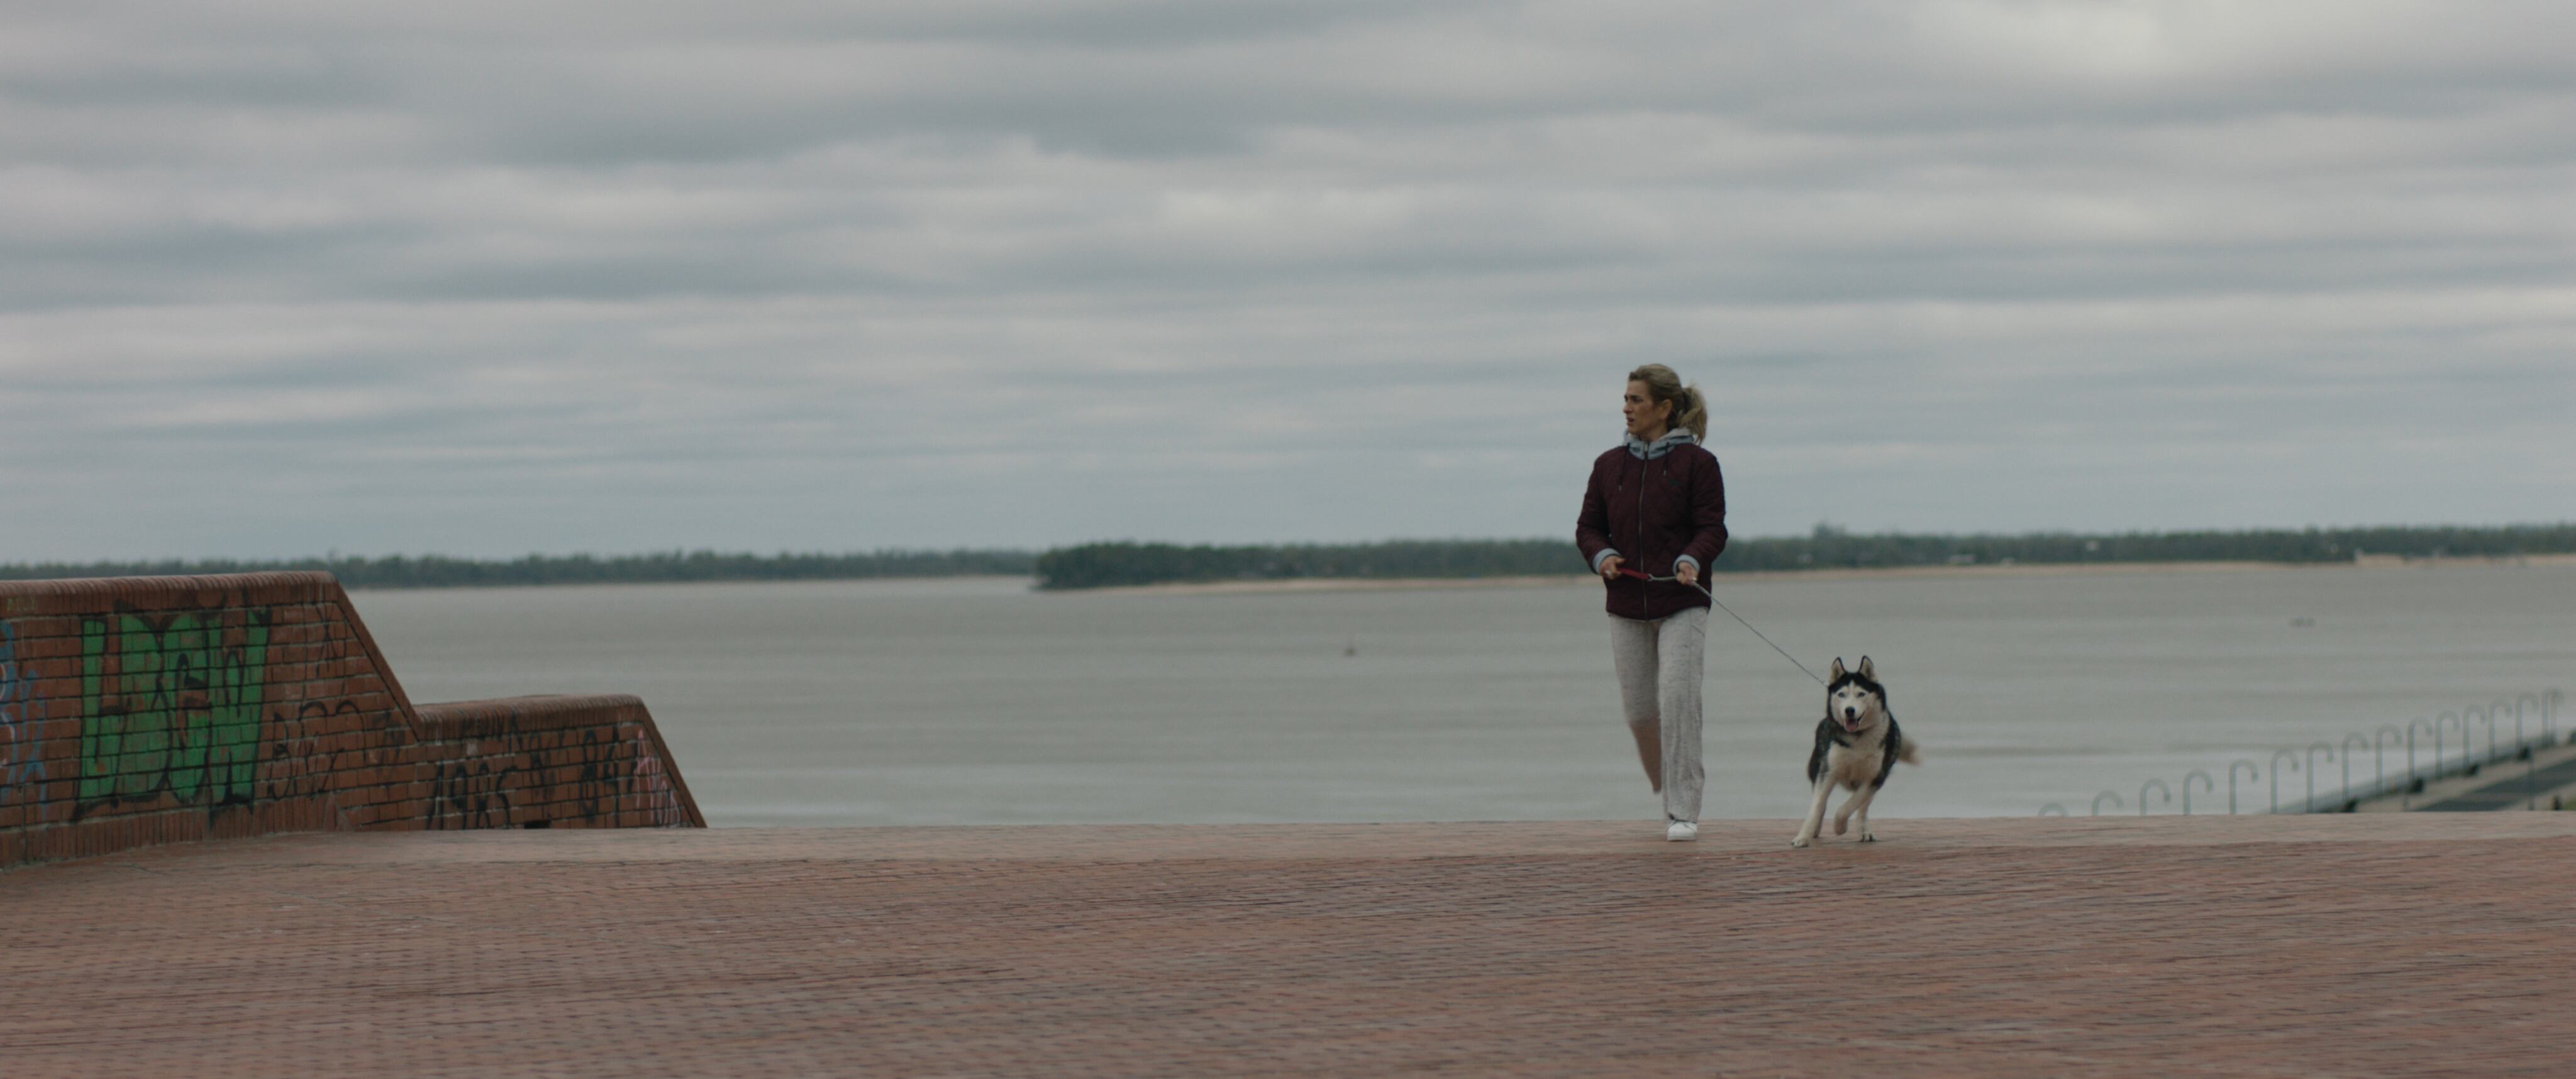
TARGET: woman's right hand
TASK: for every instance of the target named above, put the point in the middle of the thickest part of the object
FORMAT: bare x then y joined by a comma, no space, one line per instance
1610,567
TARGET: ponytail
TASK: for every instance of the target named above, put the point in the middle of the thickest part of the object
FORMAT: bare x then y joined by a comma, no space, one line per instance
1690,411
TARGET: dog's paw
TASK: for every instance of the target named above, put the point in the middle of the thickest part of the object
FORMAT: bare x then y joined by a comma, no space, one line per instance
1799,842
1841,825
1865,837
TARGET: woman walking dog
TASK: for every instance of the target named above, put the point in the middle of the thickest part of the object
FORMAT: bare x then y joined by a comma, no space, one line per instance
1656,507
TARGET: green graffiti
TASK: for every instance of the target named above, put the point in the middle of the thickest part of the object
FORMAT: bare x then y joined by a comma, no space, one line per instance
168,707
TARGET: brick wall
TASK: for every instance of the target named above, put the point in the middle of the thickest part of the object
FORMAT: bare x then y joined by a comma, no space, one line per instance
142,710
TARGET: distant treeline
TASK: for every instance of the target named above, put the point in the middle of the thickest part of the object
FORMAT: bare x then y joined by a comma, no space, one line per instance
1101,565
1097,565
437,571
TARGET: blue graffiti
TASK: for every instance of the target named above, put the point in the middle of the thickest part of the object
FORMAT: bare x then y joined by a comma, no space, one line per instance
20,759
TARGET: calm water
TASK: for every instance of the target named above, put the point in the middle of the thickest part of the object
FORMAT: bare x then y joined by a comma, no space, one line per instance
978,701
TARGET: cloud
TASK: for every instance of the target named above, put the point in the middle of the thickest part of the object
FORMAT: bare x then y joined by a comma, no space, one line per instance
481,279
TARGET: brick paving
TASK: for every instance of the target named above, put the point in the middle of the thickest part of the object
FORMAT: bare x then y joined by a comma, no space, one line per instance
2349,945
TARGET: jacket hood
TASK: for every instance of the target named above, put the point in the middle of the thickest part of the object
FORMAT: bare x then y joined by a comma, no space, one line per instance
1644,450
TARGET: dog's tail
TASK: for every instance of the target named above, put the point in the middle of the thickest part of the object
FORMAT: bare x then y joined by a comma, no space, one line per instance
1905,751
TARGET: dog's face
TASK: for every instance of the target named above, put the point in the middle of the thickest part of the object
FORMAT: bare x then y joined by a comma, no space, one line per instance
1855,699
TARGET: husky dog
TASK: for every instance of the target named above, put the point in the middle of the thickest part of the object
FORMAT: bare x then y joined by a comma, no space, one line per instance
1857,745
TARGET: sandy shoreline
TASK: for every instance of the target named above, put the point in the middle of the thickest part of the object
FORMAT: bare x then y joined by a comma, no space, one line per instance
2050,569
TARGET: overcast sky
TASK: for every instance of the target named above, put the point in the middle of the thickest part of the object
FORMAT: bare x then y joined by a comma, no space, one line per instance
489,278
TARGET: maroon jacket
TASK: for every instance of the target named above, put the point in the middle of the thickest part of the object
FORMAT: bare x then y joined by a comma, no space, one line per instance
1653,512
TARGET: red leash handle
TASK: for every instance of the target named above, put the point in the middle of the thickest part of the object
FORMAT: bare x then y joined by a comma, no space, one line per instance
1642,575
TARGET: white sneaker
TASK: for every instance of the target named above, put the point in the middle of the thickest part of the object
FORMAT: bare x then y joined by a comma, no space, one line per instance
1681,831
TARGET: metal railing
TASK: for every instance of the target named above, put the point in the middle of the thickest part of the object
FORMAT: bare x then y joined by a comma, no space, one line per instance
2523,708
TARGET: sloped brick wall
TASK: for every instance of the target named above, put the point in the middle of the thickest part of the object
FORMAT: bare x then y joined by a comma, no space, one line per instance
148,710
539,762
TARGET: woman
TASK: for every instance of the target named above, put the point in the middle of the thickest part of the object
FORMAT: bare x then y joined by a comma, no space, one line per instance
1657,507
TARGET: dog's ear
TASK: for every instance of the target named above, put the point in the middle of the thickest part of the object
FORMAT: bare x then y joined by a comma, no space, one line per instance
1867,671
1838,668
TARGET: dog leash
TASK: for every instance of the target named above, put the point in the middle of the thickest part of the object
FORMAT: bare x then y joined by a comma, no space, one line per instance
1730,613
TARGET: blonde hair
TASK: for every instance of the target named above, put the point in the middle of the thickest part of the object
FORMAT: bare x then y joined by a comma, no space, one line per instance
1690,407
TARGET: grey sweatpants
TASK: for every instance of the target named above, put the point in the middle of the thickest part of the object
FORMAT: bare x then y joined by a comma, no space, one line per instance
1659,678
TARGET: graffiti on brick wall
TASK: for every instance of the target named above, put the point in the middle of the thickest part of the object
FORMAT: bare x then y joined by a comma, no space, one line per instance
297,766
654,782
602,766
21,759
584,775
170,706
472,792
609,764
